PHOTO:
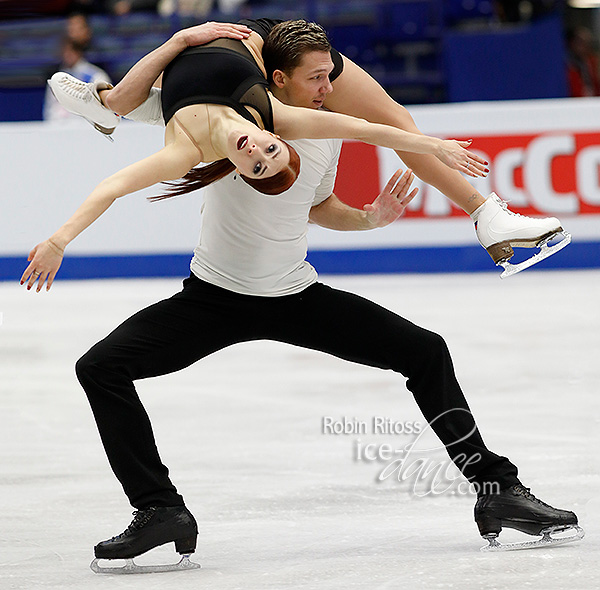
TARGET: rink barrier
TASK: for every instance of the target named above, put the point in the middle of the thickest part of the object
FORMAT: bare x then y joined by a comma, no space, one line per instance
544,159
582,255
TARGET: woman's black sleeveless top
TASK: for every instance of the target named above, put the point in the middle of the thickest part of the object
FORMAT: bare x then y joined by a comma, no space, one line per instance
221,72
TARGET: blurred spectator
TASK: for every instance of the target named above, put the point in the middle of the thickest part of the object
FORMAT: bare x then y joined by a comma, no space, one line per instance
582,63
79,30
74,63
198,8
121,7
515,11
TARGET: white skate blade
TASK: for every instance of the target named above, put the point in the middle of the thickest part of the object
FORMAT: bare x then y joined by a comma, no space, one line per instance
545,252
131,567
546,541
101,130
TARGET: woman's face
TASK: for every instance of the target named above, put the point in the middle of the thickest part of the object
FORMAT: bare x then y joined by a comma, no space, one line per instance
257,154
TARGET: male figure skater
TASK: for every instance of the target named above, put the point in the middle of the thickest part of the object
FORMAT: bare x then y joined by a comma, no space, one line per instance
250,280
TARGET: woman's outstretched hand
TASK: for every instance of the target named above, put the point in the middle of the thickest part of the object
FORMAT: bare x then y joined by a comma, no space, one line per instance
207,32
455,154
44,261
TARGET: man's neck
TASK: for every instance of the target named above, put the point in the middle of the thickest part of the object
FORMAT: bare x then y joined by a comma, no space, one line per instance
276,92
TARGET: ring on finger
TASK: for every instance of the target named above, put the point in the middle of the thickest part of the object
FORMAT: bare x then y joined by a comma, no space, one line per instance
36,273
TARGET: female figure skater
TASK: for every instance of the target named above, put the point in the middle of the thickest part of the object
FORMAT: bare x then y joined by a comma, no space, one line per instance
342,87
218,110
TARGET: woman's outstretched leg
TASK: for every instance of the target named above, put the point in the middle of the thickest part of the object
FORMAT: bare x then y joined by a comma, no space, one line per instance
356,93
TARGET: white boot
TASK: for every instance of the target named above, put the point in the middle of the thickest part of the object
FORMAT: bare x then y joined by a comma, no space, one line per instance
82,99
150,111
499,230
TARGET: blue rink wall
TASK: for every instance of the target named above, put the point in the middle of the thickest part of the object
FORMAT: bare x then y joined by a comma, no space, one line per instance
544,158
373,261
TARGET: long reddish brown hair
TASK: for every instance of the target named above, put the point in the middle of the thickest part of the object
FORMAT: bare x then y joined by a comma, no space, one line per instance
198,178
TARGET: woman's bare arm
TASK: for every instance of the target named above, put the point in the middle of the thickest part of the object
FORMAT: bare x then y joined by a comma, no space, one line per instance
301,123
135,86
170,163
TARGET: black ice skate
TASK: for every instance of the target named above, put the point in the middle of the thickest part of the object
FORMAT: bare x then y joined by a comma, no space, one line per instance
519,509
149,529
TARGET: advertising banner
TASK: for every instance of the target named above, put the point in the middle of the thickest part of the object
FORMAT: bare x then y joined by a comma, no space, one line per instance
544,160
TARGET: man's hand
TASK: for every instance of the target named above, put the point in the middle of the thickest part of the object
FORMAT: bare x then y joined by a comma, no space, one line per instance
201,34
386,208
392,201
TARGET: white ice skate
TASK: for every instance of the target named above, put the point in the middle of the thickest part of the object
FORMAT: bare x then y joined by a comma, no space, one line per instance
499,230
82,98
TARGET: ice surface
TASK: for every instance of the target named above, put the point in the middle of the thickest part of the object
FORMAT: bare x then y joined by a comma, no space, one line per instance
280,504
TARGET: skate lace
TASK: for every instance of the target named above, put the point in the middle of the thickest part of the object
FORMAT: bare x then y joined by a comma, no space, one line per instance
523,491
140,519
504,205
75,88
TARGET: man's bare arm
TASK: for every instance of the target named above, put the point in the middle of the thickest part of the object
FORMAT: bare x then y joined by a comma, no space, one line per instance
385,209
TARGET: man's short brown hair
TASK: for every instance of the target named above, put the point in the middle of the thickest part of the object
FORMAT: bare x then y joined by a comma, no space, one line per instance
287,43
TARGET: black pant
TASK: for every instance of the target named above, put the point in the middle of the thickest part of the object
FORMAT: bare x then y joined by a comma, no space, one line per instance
203,318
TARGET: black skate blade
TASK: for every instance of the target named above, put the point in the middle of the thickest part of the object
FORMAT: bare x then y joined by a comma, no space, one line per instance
131,567
546,540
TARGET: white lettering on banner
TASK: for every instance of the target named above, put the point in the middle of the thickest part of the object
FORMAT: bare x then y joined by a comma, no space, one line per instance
429,200
538,173
505,164
435,203
586,170
417,203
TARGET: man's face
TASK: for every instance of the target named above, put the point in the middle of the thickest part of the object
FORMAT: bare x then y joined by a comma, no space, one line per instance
308,84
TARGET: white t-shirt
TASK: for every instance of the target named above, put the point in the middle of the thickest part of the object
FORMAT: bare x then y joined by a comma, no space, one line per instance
256,244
